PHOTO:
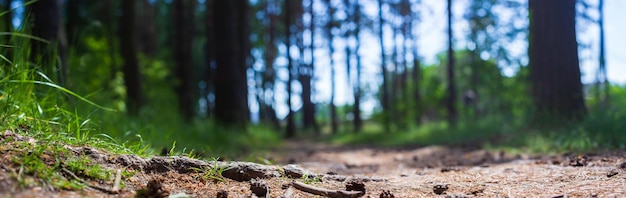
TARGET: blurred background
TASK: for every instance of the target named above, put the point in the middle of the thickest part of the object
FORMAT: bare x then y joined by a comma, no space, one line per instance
235,76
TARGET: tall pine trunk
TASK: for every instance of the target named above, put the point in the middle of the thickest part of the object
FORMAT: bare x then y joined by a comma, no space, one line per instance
451,89
231,106
7,26
291,128
602,81
554,64
331,50
357,84
128,47
269,74
48,25
306,75
147,35
383,68
183,21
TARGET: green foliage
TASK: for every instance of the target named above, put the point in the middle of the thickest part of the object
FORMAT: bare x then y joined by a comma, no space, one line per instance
33,105
602,129
213,172
309,179
430,133
158,124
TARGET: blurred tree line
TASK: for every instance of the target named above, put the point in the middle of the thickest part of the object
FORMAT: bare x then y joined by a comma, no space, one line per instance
218,58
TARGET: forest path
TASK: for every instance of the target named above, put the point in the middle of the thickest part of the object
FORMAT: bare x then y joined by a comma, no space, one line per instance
466,171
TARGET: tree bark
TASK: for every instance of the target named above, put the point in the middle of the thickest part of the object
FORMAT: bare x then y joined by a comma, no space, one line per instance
108,21
147,36
554,64
331,50
231,106
451,100
7,26
306,74
602,81
243,39
183,21
268,112
358,122
7,19
383,68
48,25
416,75
209,76
291,128
128,45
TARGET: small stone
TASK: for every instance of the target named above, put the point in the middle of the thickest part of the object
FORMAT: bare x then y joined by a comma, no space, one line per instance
386,194
355,185
612,173
258,187
222,194
440,188
579,160
154,189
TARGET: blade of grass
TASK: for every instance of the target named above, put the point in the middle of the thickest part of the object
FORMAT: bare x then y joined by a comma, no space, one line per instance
62,89
17,34
6,59
23,5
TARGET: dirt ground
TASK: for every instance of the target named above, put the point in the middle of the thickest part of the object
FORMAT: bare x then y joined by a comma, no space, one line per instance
340,171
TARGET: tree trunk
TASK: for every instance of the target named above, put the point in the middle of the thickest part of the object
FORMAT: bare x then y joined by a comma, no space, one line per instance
306,75
183,21
147,36
128,45
331,50
7,19
416,76
554,64
357,84
108,21
73,24
602,81
7,26
269,74
231,105
291,128
451,100
209,76
394,80
383,68
243,33
48,25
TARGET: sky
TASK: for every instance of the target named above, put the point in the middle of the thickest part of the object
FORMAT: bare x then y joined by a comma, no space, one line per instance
432,40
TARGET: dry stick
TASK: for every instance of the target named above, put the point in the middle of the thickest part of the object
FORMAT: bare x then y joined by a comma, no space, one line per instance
118,180
288,193
325,192
100,188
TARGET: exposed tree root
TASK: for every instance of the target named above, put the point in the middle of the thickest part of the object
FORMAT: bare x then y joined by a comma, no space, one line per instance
325,192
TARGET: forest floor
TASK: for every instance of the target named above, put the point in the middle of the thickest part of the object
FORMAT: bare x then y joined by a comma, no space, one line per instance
333,171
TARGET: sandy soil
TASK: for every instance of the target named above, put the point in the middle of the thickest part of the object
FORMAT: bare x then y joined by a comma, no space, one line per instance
434,171
470,172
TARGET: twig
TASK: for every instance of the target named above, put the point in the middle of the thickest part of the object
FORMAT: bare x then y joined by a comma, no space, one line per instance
100,188
288,193
325,192
118,180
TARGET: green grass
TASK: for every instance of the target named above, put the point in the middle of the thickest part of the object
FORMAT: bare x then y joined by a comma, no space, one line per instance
33,104
158,124
600,130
